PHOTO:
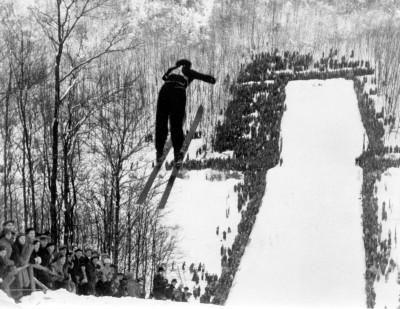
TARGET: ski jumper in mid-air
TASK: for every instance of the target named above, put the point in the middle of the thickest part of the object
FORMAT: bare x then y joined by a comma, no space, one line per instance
171,105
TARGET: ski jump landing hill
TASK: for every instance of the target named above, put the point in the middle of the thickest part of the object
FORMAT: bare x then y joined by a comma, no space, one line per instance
306,247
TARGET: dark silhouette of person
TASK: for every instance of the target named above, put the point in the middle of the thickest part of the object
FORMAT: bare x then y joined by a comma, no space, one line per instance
171,105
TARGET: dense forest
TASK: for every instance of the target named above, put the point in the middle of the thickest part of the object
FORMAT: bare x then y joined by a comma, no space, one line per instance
79,84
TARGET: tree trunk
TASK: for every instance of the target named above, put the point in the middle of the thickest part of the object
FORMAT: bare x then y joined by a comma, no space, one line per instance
68,224
24,181
6,143
117,208
129,241
57,103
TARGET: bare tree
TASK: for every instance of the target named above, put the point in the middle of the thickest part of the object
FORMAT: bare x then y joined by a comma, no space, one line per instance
64,26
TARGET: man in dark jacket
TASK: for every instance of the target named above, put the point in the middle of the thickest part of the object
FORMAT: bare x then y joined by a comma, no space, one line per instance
159,284
78,271
170,289
171,104
86,262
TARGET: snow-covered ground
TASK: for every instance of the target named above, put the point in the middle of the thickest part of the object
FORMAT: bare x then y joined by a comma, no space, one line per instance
306,248
388,195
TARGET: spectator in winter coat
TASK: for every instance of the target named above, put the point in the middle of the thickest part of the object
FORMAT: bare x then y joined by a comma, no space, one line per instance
26,254
67,269
196,291
105,273
92,275
170,289
85,286
16,256
206,297
133,287
195,277
43,252
6,240
177,294
35,258
186,295
17,248
78,274
6,275
159,284
60,280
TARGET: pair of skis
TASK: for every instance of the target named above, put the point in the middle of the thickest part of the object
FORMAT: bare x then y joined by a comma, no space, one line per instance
175,170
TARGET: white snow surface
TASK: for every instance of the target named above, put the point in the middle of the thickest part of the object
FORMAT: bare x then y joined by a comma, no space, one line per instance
388,194
306,247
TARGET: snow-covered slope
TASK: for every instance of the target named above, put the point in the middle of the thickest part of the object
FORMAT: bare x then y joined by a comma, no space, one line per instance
388,199
306,247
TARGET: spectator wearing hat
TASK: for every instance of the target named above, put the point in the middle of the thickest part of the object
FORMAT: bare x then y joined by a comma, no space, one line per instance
78,274
186,295
44,240
170,289
48,255
6,276
159,284
10,224
63,250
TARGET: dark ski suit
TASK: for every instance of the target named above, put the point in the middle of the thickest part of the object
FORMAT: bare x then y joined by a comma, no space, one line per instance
171,104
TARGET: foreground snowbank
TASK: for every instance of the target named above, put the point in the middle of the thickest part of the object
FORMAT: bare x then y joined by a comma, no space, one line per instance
62,299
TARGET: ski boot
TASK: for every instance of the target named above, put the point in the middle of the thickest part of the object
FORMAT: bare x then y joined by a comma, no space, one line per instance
159,159
178,159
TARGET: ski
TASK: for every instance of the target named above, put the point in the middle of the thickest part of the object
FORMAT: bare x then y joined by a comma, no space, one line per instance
153,174
185,148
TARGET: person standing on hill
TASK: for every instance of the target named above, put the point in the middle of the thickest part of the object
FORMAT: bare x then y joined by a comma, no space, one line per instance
159,284
171,105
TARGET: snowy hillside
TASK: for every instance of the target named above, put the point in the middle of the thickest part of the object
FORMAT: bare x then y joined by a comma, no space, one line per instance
306,246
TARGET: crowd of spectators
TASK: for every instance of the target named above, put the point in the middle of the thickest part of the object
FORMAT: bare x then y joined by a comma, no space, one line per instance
80,271
175,291
251,128
267,66
373,162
